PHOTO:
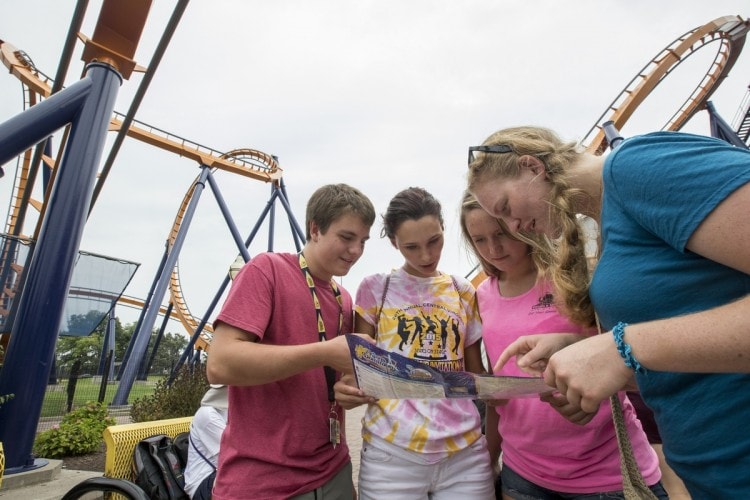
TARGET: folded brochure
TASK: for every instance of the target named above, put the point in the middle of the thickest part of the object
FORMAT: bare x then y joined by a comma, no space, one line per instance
384,374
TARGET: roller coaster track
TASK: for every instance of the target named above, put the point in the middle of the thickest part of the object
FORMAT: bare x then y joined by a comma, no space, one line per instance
23,69
245,162
728,32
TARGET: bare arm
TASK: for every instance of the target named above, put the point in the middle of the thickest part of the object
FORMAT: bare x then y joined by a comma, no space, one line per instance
494,439
238,359
362,326
724,236
716,340
473,358
712,341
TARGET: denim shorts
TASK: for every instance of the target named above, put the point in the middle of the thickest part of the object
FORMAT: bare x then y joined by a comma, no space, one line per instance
520,489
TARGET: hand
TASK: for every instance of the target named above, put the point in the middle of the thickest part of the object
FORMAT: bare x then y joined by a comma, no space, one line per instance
533,351
348,395
562,406
337,354
588,372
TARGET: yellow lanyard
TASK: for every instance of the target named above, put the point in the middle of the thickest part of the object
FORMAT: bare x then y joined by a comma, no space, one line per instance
329,372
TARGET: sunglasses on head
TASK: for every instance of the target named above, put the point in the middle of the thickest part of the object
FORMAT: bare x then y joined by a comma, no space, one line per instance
502,148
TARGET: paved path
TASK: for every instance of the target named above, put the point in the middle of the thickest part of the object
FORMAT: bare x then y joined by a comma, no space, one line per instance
354,437
58,482
55,488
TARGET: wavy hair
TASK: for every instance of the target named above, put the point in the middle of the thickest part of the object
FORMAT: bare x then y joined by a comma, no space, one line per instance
568,266
539,248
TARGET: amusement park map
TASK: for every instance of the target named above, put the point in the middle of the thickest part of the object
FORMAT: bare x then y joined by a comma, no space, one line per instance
383,374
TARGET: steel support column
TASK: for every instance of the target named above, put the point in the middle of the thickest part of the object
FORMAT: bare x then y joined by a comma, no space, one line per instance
32,342
144,332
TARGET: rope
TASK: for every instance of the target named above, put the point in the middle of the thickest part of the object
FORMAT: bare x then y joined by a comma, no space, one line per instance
633,485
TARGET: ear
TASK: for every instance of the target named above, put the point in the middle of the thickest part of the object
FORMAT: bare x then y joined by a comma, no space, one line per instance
314,230
534,164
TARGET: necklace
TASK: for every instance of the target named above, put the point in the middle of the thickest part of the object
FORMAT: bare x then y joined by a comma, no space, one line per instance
334,427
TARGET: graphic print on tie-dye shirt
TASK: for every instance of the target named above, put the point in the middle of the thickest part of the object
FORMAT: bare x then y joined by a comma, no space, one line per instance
430,320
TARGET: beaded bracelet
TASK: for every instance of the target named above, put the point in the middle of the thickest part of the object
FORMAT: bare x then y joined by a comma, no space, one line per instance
624,348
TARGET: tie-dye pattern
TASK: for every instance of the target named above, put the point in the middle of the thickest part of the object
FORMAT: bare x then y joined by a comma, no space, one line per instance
430,320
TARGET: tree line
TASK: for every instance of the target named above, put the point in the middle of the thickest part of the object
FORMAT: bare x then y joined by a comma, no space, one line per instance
88,349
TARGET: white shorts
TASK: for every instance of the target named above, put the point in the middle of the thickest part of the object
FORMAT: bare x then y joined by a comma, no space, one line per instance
465,474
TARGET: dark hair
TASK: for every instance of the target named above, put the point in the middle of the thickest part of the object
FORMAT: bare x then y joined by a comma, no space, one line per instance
332,201
410,204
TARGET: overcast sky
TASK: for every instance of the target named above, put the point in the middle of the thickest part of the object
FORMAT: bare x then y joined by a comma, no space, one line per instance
382,95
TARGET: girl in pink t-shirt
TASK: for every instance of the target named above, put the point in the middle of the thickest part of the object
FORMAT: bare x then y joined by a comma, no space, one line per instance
544,455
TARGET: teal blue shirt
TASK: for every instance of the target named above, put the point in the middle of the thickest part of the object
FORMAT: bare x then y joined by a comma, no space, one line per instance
658,188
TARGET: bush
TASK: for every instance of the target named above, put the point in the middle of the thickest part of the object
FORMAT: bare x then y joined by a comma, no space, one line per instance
79,433
181,399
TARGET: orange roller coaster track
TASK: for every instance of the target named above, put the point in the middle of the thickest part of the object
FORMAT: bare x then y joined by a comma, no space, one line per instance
182,310
728,32
244,162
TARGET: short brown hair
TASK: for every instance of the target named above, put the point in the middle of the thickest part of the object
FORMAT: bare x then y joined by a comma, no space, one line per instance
332,201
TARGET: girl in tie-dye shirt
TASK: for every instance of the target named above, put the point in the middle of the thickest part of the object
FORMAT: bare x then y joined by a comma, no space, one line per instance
416,448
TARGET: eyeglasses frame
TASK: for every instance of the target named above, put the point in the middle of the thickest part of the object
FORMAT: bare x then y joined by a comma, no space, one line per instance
498,148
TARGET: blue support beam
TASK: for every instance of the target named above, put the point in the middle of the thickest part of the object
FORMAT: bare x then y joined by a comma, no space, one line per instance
88,106
38,122
721,129
142,336
277,192
108,346
129,348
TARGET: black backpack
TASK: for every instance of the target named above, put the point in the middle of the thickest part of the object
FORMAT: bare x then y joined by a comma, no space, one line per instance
158,468
182,443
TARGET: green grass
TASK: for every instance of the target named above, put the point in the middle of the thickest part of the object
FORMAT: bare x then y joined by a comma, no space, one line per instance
87,389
